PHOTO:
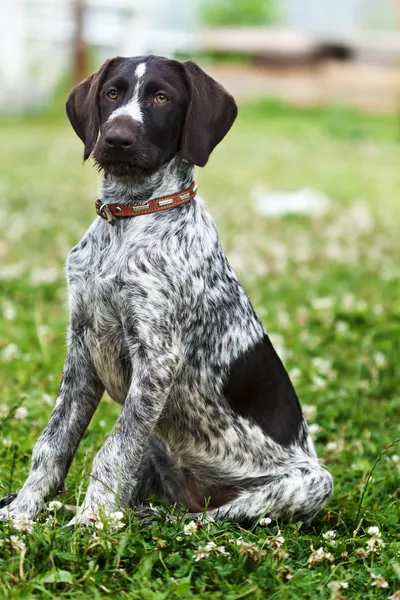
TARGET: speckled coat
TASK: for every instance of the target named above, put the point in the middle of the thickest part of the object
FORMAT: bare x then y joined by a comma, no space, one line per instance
159,319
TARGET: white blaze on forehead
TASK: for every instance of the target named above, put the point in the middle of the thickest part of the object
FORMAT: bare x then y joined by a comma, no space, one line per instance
140,69
132,108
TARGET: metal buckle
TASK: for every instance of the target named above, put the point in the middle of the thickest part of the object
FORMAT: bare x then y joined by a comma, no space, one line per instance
100,211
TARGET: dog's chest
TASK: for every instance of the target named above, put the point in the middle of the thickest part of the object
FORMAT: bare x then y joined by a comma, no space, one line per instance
96,298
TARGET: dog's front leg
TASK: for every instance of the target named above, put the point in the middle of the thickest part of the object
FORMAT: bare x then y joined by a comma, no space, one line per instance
79,395
115,469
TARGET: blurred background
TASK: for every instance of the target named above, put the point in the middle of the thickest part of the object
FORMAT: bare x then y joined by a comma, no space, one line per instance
304,190
307,52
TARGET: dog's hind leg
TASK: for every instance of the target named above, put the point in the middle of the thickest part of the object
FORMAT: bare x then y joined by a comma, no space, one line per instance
295,495
157,476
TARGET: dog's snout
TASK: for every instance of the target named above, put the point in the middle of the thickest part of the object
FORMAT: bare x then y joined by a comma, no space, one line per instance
120,138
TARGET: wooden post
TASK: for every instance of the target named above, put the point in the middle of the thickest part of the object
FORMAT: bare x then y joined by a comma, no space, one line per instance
80,50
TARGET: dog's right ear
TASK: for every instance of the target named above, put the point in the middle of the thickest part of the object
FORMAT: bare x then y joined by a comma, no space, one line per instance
82,106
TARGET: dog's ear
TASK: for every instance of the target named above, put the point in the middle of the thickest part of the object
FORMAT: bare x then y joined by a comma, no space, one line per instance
82,106
210,114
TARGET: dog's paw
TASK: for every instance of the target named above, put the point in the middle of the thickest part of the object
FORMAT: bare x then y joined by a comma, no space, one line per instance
20,508
98,517
18,519
81,520
85,516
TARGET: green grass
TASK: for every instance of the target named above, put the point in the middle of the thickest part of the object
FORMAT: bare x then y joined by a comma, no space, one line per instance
342,351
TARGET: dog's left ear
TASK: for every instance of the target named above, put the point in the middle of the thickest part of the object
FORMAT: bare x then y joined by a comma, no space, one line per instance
209,116
83,106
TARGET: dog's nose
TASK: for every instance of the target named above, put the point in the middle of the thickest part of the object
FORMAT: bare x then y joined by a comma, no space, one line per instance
120,138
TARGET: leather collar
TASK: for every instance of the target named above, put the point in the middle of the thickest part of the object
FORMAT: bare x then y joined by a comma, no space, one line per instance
113,211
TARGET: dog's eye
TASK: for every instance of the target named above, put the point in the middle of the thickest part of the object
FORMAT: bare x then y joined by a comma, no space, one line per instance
161,98
112,94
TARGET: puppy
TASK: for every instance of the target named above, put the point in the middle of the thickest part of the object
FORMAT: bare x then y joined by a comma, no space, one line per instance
159,319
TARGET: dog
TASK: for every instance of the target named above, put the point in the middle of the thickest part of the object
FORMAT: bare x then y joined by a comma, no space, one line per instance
159,319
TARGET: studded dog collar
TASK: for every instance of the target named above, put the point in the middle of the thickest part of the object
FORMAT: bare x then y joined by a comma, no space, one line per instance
112,211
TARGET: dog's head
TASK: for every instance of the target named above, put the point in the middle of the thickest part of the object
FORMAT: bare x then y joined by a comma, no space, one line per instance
147,110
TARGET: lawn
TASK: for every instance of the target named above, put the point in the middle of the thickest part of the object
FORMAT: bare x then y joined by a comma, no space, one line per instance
327,289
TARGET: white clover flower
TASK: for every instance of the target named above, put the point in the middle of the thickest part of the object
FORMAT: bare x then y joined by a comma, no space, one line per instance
252,551
361,553
118,515
337,586
115,519
112,519
210,546
295,375
318,382
314,428
9,353
322,365
342,327
309,411
42,331
22,522
238,541
329,535
323,303
7,442
379,582
190,528
205,551
9,312
44,275
374,543
208,519
54,505
200,554
380,359
276,541
280,554
17,543
21,413
265,521
320,556
331,446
